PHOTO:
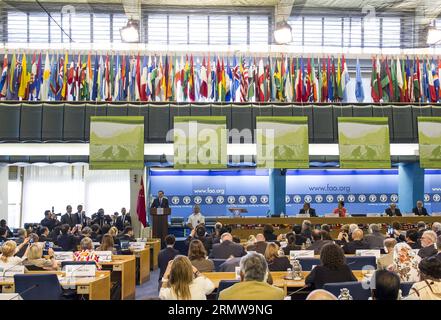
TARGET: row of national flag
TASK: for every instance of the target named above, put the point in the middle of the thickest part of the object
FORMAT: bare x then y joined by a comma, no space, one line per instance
66,77
405,80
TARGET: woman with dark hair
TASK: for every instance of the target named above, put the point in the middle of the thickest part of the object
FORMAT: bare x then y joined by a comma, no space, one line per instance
198,256
429,288
333,268
268,233
291,246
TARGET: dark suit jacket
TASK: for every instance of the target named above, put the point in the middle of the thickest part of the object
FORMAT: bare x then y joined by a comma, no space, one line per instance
49,223
120,224
318,245
102,220
423,211
279,264
259,246
164,256
311,212
352,246
427,251
70,219
388,211
321,275
164,204
67,241
206,241
226,249
375,240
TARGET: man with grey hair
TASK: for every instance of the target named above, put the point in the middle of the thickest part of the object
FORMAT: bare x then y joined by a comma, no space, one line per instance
387,259
320,294
436,226
393,211
419,210
375,239
227,248
253,281
428,242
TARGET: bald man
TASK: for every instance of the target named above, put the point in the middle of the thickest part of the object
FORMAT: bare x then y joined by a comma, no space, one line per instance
227,248
321,294
260,245
357,242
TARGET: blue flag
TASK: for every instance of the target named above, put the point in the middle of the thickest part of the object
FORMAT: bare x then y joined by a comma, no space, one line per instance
95,80
359,92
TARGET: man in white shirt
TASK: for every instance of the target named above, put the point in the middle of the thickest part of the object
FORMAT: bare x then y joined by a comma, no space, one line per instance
195,218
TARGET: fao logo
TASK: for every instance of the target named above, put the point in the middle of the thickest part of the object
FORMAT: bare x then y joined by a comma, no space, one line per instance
329,198
197,200
297,198
394,197
253,199
186,200
383,198
318,199
426,197
175,200
436,197
220,199
372,198
209,200
362,198
242,199
287,199
340,197
308,198
231,199
264,199
351,198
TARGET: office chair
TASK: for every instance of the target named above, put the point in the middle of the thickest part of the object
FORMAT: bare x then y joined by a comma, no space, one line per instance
224,284
217,263
355,288
358,262
38,286
405,288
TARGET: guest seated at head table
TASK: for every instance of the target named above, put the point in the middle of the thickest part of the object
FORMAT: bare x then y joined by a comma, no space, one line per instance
276,262
332,268
260,245
429,288
308,210
393,210
253,286
198,257
182,281
340,210
36,262
107,244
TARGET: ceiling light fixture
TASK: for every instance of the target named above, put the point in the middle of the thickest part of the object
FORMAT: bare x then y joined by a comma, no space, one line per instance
283,33
130,33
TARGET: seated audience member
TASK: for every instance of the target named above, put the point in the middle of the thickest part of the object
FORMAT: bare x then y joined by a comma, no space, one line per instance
199,233
332,268
22,247
398,233
308,210
253,286
127,235
268,233
421,227
276,262
251,240
429,288
113,231
326,227
215,236
419,210
182,281
387,285
357,243
167,254
86,253
96,232
320,294
375,239
22,234
85,232
405,263
4,225
393,211
307,229
53,235
104,230
300,239
343,236
227,248
387,259
260,245
326,235
34,259
230,265
198,257
43,234
107,244
428,242
196,218
340,210
3,235
317,241
7,257
50,220
291,243
411,239
67,241
436,227
236,239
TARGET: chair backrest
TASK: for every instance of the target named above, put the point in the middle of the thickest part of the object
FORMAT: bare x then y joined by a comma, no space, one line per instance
307,263
360,262
38,286
224,284
355,288
69,263
217,263
405,288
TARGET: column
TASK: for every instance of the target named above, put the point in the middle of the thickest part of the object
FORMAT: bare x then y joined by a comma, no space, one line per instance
4,177
410,185
277,191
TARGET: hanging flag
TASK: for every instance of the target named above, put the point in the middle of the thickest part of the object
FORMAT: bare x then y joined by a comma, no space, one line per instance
345,78
299,84
331,80
435,81
260,85
138,79
117,81
359,91
95,80
339,91
324,96
235,81
204,78
4,77
314,82
23,79
228,82
243,81
416,81
143,80
288,85
431,85
140,205
400,81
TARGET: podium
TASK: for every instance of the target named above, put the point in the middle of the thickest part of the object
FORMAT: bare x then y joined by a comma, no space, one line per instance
160,222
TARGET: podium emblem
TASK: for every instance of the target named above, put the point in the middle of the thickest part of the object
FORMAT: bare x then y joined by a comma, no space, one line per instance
209,200
318,198
175,200
253,199
351,198
186,200
329,198
231,199
242,199
264,199
362,198
220,199
297,198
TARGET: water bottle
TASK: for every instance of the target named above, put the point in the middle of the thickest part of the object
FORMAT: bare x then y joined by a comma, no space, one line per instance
282,215
289,274
308,242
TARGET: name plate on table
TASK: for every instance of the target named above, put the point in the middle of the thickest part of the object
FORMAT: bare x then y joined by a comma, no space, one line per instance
82,270
302,215
365,253
436,214
104,256
11,270
160,211
295,254
137,245
63,255
10,296
96,244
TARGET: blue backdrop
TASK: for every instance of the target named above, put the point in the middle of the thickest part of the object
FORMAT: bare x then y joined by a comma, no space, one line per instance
364,191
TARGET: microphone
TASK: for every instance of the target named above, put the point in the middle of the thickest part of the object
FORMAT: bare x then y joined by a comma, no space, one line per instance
298,290
25,291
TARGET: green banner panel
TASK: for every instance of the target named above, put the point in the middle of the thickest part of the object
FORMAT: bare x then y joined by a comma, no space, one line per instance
200,142
429,136
282,142
363,142
116,143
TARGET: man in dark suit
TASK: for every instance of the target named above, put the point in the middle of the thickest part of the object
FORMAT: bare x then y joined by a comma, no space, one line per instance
160,201
227,248
166,255
419,210
100,218
357,243
260,245
67,240
124,220
318,241
72,219
50,221
428,242
393,210
308,210
375,239
84,221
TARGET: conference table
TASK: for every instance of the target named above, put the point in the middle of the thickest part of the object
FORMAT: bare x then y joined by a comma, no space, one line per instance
143,264
94,288
279,278
155,247
123,269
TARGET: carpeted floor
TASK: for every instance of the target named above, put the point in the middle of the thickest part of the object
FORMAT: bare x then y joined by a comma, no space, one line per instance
148,289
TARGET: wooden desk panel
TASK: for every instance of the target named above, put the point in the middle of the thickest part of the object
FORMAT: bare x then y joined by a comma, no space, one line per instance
143,256
155,247
126,264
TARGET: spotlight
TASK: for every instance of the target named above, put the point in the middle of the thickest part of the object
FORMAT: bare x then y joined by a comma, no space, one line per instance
283,33
130,33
